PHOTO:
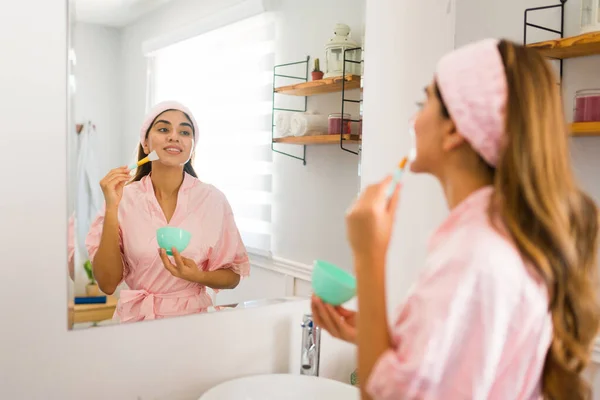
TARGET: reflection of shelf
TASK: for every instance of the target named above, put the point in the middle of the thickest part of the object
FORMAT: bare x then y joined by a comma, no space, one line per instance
318,139
79,313
585,129
576,46
327,85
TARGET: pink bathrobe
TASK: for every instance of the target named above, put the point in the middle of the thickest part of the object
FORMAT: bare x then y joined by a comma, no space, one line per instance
216,243
475,325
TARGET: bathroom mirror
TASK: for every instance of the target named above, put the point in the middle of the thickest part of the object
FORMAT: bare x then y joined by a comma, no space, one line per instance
251,183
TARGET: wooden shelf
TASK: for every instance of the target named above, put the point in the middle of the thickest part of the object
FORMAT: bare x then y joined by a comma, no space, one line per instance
585,129
318,139
576,46
327,85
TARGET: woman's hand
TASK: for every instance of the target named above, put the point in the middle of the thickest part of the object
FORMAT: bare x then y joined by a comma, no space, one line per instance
112,186
370,220
338,321
184,268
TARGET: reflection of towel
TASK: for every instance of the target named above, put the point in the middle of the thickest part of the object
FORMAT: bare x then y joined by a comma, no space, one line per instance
282,124
308,124
89,198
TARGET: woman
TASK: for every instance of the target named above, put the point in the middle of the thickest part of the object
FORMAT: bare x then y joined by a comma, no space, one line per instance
71,246
506,308
122,241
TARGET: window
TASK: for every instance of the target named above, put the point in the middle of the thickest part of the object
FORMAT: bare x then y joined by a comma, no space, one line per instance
225,77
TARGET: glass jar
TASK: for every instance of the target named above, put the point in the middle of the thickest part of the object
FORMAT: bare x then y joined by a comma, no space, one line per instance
587,106
336,126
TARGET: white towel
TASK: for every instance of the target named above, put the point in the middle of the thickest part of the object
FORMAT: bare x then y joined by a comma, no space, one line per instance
282,124
305,124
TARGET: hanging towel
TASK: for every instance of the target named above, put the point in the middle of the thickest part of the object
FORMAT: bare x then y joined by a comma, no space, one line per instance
305,124
89,198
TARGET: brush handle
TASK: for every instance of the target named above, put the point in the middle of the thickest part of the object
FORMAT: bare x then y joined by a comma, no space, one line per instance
395,180
139,163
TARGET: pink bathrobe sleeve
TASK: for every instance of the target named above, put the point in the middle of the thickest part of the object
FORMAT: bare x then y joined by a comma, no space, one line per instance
476,323
229,251
94,235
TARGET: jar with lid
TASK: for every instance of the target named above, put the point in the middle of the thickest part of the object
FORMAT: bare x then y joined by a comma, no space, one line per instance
338,125
587,106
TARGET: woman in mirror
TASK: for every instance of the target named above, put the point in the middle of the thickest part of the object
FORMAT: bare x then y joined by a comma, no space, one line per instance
71,246
122,241
506,307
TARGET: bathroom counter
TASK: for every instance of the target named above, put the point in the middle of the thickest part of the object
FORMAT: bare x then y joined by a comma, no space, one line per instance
92,312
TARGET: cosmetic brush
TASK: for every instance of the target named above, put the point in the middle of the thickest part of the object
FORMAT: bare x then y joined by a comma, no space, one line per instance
150,157
398,173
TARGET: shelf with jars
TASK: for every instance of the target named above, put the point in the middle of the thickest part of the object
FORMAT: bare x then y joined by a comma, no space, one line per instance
586,108
343,70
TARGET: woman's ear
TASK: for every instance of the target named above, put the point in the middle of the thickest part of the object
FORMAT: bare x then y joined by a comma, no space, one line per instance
451,138
145,147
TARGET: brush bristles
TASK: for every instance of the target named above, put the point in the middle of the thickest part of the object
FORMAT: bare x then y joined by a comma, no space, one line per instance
153,156
402,163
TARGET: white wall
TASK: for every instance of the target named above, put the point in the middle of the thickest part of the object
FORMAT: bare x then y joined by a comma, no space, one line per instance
401,52
40,358
310,201
262,284
98,95
271,278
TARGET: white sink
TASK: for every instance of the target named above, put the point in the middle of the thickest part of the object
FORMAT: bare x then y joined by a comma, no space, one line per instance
282,387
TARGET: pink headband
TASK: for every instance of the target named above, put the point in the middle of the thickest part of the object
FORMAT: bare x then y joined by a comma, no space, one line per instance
161,108
473,84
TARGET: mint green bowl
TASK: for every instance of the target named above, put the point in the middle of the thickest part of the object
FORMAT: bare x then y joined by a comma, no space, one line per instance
332,284
169,237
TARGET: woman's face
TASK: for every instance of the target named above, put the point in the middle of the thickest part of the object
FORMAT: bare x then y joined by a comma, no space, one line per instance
172,137
431,129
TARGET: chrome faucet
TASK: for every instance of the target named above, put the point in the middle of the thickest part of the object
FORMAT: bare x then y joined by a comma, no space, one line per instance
311,347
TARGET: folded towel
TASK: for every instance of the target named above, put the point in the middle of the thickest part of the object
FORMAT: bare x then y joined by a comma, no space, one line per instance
304,124
282,124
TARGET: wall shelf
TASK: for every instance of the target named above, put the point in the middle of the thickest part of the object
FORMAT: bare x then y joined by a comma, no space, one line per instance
318,139
323,86
304,88
585,129
584,45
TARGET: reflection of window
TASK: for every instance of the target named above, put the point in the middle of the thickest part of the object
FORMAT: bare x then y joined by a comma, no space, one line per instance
225,78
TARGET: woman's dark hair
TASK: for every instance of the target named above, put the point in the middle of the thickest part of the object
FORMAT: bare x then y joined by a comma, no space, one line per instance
444,109
145,169
553,223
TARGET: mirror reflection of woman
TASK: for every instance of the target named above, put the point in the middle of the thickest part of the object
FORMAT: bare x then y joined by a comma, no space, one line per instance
71,246
507,305
122,240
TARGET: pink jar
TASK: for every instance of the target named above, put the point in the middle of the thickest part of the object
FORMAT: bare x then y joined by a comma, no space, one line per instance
335,124
587,106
